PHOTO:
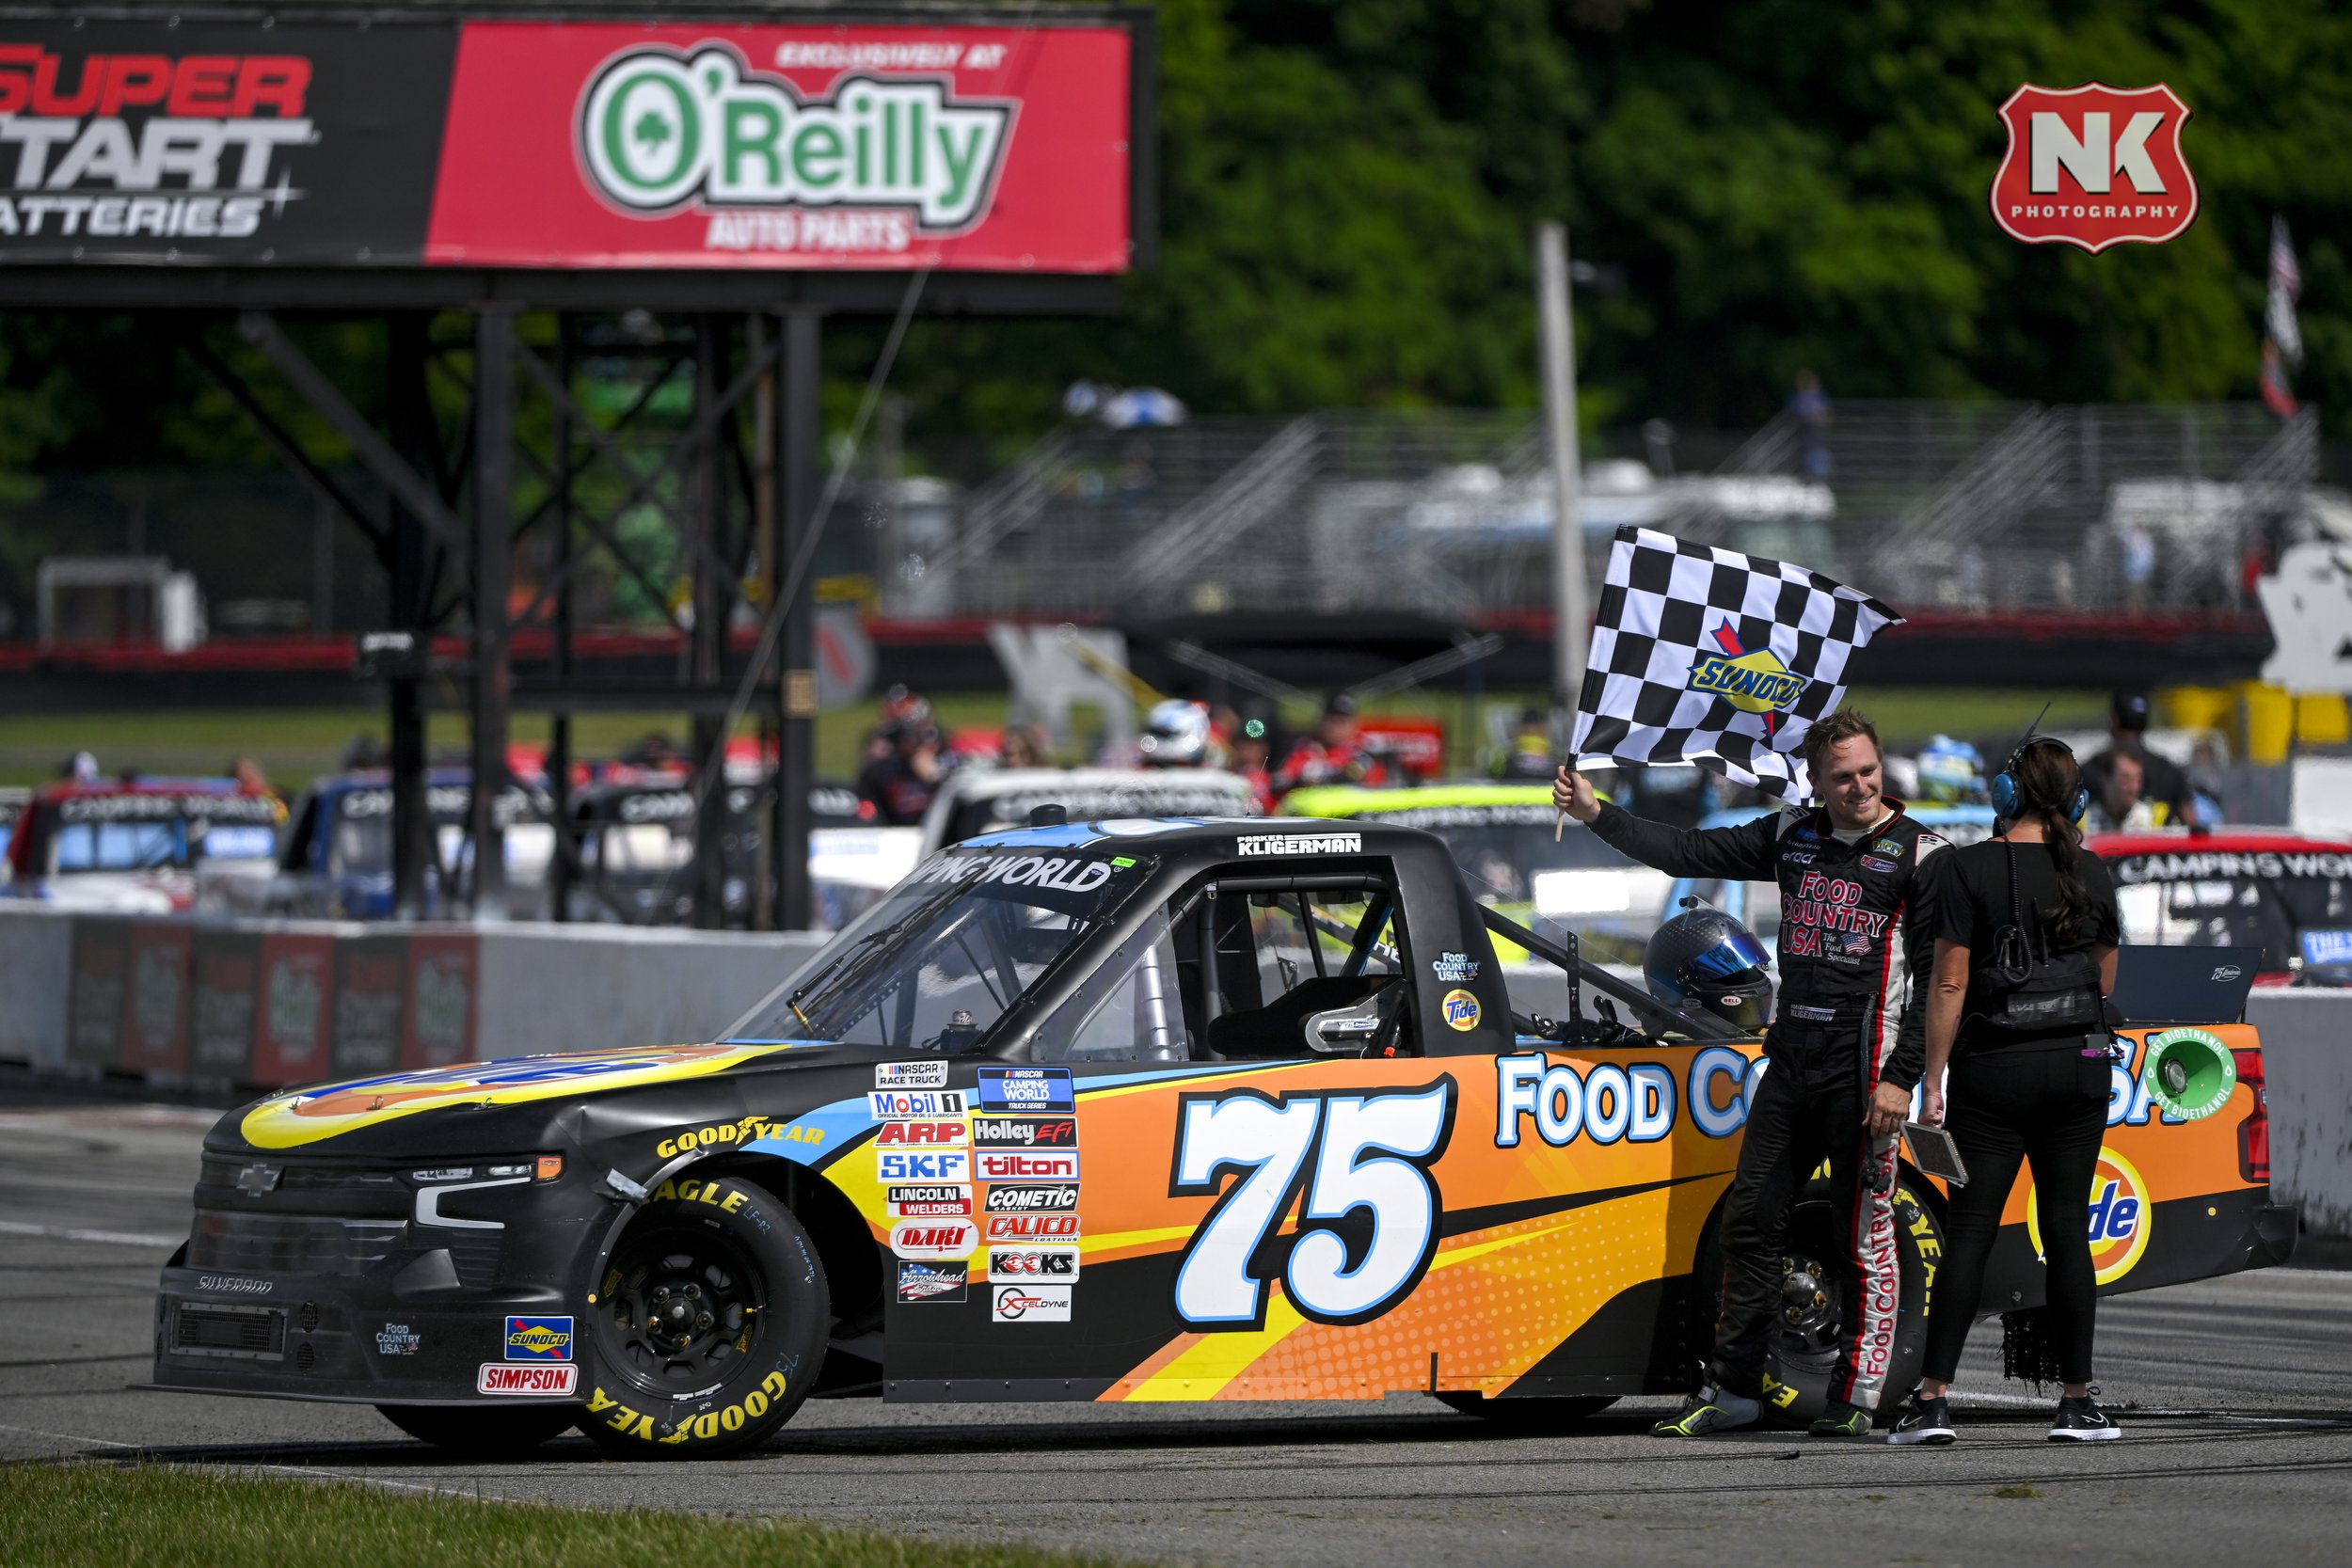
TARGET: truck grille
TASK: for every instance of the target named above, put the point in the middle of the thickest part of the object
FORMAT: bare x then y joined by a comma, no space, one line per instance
244,1333
290,1243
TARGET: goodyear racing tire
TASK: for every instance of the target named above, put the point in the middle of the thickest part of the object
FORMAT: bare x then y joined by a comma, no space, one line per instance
708,1326
1802,1351
469,1432
1535,1413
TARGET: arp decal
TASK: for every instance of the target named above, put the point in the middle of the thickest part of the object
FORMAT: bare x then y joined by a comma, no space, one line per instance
538,1339
1025,1088
311,1114
921,1135
1601,1104
558,1379
1338,1152
2120,1217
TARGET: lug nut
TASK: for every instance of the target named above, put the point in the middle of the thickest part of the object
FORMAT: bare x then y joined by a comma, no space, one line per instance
702,1321
693,1292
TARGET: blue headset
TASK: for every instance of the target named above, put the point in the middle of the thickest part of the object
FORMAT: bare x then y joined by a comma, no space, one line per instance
2005,798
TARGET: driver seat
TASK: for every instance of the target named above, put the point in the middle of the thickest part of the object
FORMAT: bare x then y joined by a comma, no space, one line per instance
1279,1029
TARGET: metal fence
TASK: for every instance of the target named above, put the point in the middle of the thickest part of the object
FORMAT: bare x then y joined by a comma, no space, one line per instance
1965,506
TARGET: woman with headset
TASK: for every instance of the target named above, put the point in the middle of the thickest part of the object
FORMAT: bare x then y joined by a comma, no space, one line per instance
2025,930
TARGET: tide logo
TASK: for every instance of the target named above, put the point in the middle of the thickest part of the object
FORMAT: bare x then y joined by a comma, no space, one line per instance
2120,1217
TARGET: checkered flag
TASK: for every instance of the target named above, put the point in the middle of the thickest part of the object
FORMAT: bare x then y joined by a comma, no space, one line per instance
1705,655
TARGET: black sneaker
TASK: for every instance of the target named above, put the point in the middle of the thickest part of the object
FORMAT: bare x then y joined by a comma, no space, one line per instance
1841,1420
1924,1420
2082,1421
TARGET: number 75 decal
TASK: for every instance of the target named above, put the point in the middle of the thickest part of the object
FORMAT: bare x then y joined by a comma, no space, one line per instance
1368,1221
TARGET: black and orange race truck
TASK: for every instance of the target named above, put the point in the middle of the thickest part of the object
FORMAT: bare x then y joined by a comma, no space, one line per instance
1119,1111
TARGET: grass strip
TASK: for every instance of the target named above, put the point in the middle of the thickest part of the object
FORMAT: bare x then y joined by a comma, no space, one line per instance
103,1515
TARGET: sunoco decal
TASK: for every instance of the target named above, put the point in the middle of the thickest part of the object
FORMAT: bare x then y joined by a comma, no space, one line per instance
658,131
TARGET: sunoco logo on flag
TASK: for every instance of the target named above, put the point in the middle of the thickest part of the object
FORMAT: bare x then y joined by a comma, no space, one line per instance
658,131
1706,655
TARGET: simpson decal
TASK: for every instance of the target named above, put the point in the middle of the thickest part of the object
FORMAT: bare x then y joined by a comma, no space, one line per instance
556,1379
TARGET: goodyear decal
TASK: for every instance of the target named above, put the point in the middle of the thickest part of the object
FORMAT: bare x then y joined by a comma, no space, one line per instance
325,1111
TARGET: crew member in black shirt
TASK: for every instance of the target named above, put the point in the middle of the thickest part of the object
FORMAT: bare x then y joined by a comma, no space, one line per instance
2025,952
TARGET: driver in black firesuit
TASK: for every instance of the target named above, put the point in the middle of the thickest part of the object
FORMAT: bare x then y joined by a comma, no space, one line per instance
1843,1057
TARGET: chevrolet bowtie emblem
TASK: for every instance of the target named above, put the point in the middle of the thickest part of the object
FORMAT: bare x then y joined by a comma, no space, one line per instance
256,1179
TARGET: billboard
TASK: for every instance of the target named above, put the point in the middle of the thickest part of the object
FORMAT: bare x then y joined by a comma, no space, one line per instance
557,145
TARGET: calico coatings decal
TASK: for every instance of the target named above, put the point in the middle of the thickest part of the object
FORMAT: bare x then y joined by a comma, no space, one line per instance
1340,1229
323,1111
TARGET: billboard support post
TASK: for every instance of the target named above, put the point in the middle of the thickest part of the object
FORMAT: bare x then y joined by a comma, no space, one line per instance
493,568
797,441
411,420
560,866
707,644
1557,335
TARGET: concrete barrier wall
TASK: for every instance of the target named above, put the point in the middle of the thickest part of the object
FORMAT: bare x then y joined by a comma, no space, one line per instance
2307,1070
582,988
269,1003
36,946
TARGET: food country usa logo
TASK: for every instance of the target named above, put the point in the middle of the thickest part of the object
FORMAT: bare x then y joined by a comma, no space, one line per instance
2119,1218
1753,682
2094,167
660,131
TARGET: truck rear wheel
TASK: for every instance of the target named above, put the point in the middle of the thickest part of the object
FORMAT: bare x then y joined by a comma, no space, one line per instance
708,1326
1801,1351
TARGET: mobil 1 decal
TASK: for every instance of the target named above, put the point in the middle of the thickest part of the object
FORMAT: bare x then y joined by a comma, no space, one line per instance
1359,1167
187,140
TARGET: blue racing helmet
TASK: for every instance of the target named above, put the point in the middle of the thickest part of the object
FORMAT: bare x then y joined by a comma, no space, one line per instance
1703,958
1950,771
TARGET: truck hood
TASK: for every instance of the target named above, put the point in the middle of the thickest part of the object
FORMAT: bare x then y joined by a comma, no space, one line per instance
527,1101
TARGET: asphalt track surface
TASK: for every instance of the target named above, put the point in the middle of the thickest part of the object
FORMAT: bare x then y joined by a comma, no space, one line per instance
2235,1394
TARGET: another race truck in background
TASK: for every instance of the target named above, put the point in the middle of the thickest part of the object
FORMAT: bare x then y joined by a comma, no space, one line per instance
140,845
1119,1111
2285,893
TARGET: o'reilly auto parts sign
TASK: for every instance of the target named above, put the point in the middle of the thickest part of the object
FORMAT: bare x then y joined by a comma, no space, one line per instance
568,144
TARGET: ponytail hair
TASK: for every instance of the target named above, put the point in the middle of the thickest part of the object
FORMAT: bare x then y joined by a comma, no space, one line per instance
2049,780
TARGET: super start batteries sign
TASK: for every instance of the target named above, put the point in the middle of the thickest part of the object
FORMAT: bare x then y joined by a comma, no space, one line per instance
551,144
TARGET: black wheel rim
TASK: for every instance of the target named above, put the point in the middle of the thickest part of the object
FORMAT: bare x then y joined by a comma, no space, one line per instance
685,1305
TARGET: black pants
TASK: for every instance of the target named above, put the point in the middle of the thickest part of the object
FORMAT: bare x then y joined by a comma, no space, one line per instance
2048,1106
1809,1109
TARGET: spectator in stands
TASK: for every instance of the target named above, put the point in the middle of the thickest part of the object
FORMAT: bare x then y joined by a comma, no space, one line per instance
2139,565
1025,746
1809,406
249,777
1331,752
2160,782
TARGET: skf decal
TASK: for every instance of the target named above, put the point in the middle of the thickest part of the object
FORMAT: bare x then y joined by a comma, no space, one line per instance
1602,1103
951,1166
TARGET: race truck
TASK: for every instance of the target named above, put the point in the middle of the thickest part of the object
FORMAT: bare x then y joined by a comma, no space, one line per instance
1121,1111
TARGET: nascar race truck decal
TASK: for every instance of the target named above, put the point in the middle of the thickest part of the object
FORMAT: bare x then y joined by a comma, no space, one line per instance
1130,1110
